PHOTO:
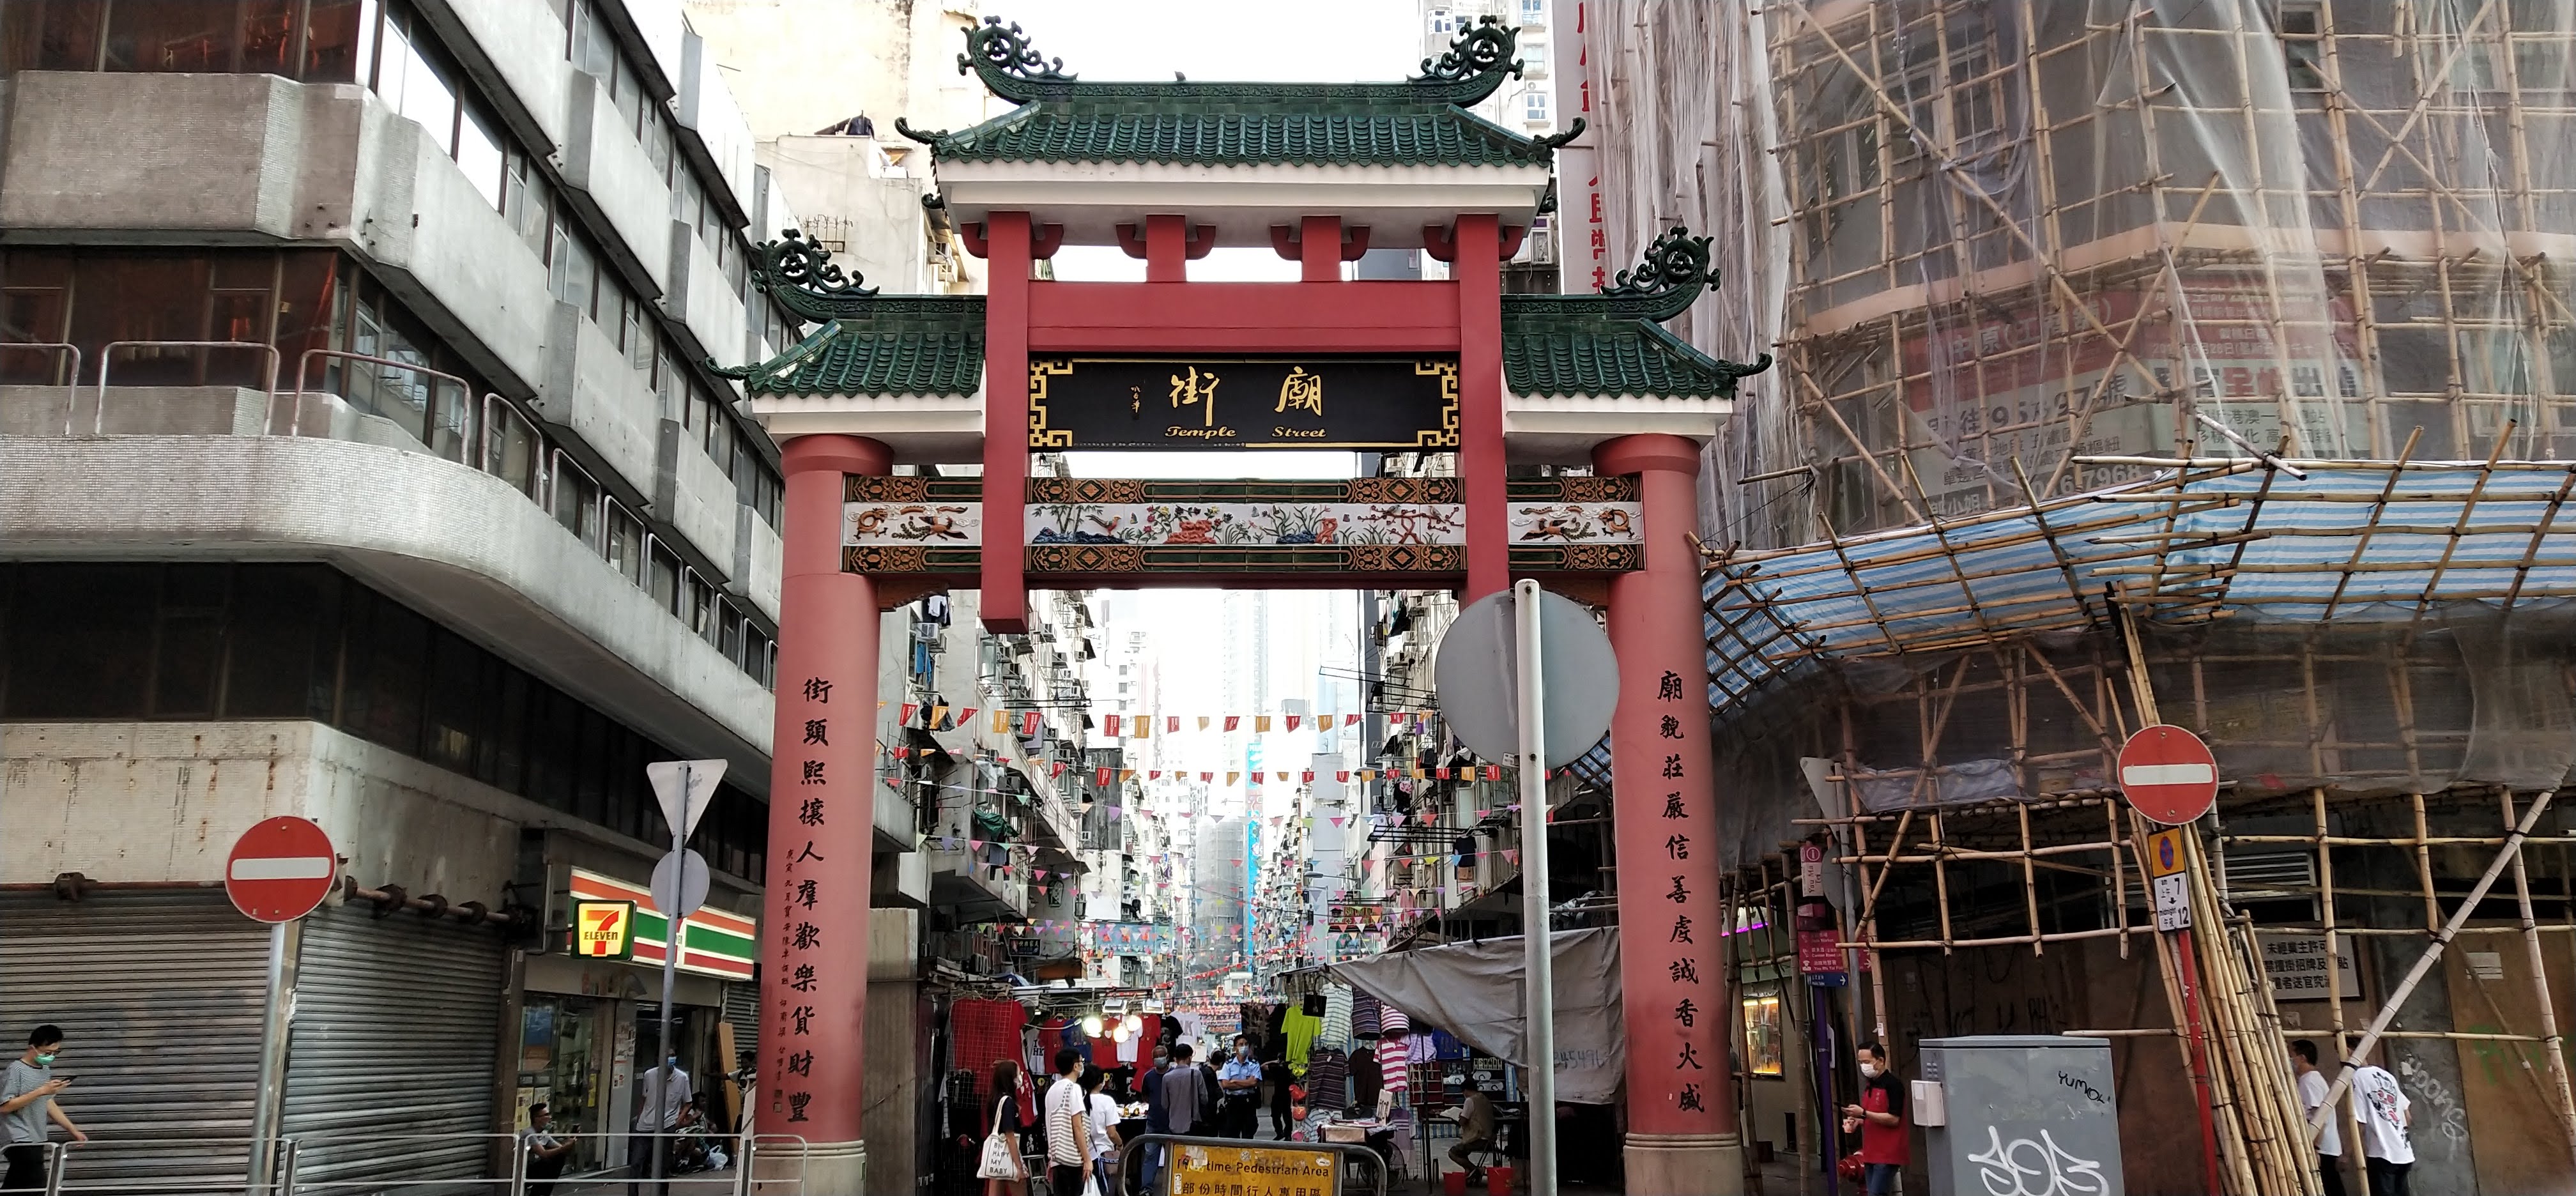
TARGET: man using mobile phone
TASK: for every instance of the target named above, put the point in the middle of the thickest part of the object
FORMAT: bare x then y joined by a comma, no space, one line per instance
26,1101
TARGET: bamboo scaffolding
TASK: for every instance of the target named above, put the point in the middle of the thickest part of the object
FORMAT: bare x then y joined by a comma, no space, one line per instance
1992,656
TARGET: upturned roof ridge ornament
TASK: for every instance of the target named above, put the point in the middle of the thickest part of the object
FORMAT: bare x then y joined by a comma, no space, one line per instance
1484,48
1001,55
1676,268
798,272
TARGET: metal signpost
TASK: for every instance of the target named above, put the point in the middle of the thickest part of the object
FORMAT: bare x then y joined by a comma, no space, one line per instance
685,789
2170,776
1533,679
279,870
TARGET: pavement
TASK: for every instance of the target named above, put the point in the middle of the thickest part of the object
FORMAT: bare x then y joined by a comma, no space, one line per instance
1779,1177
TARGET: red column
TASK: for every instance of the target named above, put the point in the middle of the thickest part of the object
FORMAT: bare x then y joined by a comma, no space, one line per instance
814,934
1005,605
1477,266
1681,1098
1319,249
1167,249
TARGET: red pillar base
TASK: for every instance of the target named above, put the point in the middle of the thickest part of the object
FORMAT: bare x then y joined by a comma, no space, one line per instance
1685,1165
814,931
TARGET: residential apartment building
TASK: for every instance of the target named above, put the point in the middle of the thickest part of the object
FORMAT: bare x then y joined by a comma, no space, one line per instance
359,461
826,124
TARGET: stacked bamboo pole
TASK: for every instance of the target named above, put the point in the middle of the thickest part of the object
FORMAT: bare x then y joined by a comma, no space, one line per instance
2252,1094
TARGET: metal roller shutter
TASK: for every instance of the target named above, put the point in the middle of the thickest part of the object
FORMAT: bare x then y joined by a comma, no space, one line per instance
159,996
742,1008
397,1022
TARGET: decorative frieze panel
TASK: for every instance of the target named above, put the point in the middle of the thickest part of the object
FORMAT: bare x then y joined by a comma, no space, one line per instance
1096,526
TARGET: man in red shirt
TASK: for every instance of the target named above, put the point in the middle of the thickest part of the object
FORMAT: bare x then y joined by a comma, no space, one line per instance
1880,1118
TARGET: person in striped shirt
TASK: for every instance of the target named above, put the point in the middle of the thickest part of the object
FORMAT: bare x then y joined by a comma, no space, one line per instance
1068,1127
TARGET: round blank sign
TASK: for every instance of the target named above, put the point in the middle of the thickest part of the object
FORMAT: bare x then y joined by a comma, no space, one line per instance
1478,678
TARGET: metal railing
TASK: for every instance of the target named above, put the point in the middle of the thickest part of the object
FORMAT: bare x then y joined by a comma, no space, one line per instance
1343,1155
107,357
468,449
474,450
286,1161
71,379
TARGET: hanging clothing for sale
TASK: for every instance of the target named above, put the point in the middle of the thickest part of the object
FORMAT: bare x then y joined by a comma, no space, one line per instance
1337,1018
1417,1048
1391,1058
1368,1077
1364,1015
1300,1030
1326,1070
1393,1023
1445,1045
984,1032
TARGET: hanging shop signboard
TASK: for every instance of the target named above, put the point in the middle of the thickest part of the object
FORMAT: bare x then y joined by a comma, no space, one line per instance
1314,402
716,943
1820,958
603,929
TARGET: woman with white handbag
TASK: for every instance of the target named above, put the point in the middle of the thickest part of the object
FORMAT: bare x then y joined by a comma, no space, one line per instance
1001,1168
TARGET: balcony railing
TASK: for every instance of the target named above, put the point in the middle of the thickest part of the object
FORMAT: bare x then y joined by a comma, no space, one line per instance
494,435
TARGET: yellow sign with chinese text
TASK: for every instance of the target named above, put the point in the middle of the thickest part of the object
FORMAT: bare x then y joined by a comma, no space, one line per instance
1252,1171
603,929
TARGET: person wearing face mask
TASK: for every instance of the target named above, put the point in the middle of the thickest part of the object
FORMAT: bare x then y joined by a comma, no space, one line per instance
653,1117
26,1103
1880,1118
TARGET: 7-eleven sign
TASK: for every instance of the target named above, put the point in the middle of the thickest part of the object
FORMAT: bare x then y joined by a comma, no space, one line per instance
604,929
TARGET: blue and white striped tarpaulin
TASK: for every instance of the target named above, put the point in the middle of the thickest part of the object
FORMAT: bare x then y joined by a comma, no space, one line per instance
2361,541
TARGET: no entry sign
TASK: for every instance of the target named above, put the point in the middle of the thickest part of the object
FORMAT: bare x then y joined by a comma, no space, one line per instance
280,870
2168,774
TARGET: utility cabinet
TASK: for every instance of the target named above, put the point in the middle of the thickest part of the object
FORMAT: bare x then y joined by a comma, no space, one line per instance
2031,1113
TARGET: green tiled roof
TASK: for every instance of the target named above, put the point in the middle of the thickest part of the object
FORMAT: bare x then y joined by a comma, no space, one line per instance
926,345
1614,342
1549,356
1420,121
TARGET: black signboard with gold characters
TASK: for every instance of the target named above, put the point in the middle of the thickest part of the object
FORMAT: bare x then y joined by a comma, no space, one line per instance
1323,402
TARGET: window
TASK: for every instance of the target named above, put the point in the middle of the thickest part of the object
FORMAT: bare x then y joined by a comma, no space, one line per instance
527,201
1534,55
1533,12
572,268
2301,26
414,85
1762,1035
625,551
479,155
1443,22
256,641
1534,106
314,40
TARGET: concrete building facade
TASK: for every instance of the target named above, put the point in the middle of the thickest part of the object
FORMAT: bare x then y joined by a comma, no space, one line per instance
358,462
